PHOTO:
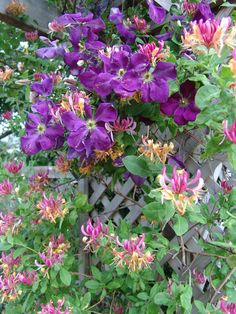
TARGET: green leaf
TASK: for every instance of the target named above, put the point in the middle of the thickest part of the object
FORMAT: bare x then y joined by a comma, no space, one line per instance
114,285
96,273
150,211
205,95
92,284
86,300
143,296
185,299
137,166
231,260
232,155
5,246
18,252
162,298
180,225
200,306
156,211
65,277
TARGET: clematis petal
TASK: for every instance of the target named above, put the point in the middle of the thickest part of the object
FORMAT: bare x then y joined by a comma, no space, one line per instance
29,144
170,105
159,90
72,122
157,14
100,139
46,143
105,113
165,70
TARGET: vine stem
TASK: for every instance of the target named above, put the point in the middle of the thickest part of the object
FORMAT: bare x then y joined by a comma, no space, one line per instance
230,273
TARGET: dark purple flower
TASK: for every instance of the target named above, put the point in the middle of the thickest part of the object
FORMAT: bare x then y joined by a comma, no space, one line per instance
154,86
203,11
42,133
86,135
45,87
182,105
52,51
123,28
136,179
164,36
157,14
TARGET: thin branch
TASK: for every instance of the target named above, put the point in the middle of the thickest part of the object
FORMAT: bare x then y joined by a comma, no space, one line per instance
5,134
230,273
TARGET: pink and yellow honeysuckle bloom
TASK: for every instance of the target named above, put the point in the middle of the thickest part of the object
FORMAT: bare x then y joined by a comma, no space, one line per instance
179,189
156,151
231,132
153,52
5,187
5,75
93,232
211,34
62,164
51,209
132,254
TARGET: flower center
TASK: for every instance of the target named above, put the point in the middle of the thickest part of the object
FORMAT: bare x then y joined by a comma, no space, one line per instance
183,102
147,77
41,128
120,73
91,124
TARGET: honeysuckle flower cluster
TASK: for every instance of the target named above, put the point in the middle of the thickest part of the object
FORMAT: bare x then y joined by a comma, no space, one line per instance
53,253
51,208
156,152
49,308
226,187
179,189
5,187
38,182
199,277
131,253
231,132
62,164
13,167
31,36
6,73
226,307
93,232
8,221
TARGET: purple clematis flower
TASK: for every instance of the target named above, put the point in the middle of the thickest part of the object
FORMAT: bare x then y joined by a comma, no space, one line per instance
52,51
182,105
45,87
203,12
86,135
154,86
42,133
157,14
123,28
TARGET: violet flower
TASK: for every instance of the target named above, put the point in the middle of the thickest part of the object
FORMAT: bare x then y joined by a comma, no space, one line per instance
52,51
86,135
138,181
181,105
42,133
157,14
203,11
12,167
45,87
122,28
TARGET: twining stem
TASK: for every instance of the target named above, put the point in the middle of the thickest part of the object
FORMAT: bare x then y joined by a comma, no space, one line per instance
230,273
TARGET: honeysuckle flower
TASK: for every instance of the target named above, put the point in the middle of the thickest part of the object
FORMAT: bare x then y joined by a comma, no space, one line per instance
42,133
31,36
211,34
199,277
45,87
87,135
132,254
62,164
178,190
54,26
140,24
8,263
155,151
227,308
181,105
12,167
49,308
8,287
123,28
5,187
38,182
93,232
231,132
15,7
6,74
52,50
226,187
189,7
7,222
51,208
27,277
153,52
7,115
127,125
114,152
232,62
157,14
53,253
118,309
